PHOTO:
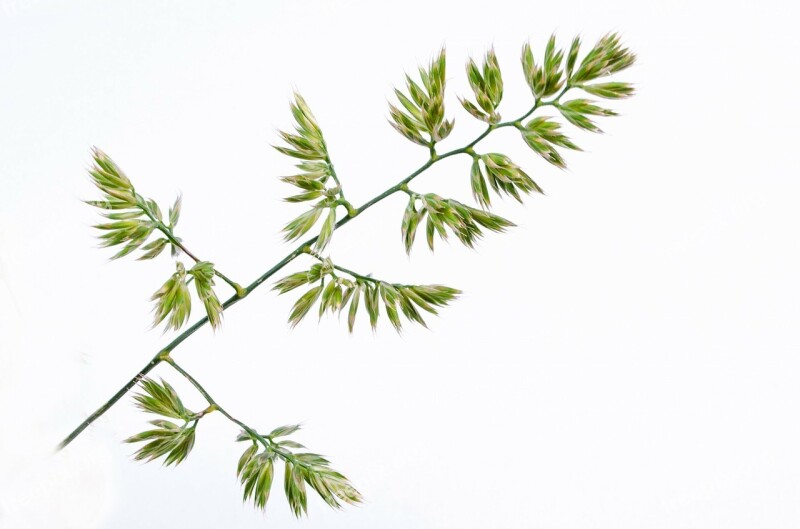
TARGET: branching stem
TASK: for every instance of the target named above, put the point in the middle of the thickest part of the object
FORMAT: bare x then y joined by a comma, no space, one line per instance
214,406
302,248
356,275
167,231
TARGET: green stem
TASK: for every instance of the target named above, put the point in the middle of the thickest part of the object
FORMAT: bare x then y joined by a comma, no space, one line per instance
163,228
356,275
335,176
168,359
319,257
113,400
351,211
243,293
214,406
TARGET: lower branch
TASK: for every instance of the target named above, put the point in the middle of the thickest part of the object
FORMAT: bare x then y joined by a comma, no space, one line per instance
214,405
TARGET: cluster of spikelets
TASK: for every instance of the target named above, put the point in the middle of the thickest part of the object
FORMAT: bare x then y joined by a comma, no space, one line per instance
134,217
134,220
421,118
167,439
487,85
339,291
255,470
463,221
504,176
174,302
423,121
307,144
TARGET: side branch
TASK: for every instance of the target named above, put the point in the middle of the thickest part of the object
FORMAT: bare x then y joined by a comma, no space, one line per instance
299,250
167,232
265,440
255,469
168,359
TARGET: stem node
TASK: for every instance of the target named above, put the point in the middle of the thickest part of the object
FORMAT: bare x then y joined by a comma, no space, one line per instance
305,248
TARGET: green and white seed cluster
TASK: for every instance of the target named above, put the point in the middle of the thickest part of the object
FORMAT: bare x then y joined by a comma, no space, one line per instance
135,219
334,292
420,117
255,469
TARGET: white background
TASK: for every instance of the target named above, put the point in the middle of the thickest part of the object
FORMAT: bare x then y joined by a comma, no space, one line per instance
627,357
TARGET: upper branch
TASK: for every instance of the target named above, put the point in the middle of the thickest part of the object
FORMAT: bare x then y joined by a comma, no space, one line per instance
127,209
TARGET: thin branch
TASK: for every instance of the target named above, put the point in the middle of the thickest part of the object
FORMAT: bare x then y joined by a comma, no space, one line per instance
214,406
163,228
356,275
302,248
